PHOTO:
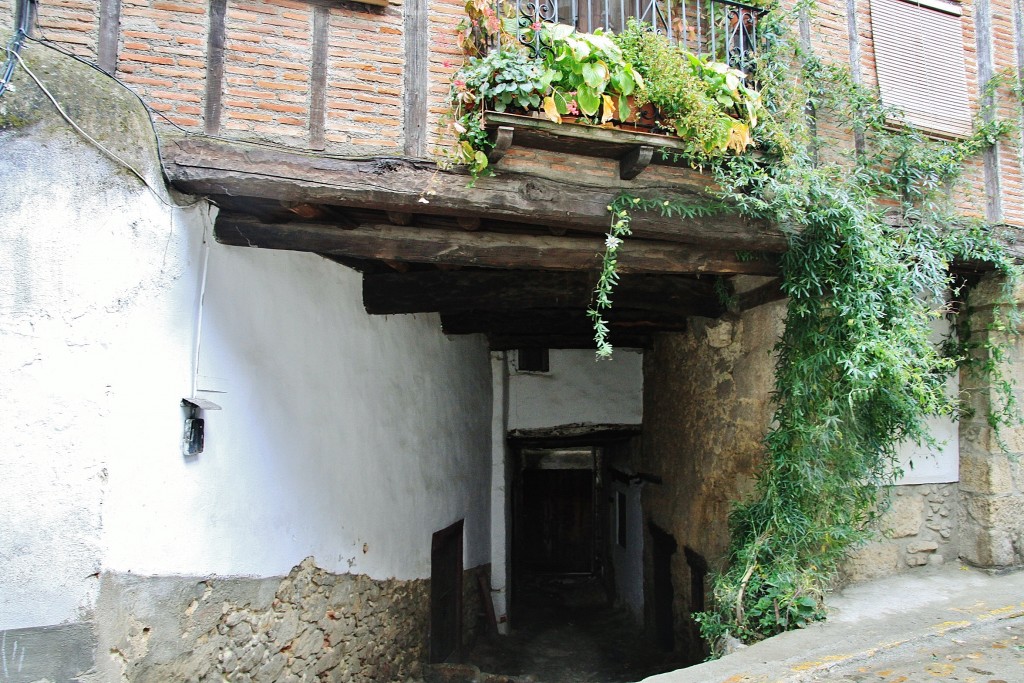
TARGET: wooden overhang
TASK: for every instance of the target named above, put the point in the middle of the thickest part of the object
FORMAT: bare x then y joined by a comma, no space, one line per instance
513,256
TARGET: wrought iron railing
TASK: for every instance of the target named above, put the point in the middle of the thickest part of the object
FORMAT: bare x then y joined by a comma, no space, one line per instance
720,29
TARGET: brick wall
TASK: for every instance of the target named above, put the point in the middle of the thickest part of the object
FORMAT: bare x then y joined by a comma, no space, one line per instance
162,56
267,57
364,79
72,23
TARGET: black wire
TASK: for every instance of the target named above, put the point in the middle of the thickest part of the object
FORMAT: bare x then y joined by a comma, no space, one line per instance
24,17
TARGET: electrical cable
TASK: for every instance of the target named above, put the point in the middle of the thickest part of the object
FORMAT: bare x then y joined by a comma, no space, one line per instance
91,139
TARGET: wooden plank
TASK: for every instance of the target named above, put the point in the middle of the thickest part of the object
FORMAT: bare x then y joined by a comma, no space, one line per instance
498,290
318,79
597,141
215,41
492,250
618,338
416,76
219,167
109,32
562,322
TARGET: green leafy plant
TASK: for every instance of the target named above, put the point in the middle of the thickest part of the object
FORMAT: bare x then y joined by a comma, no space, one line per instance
498,80
704,102
872,235
592,77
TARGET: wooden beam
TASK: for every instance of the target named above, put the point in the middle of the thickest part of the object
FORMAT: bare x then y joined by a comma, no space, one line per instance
416,75
503,290
217,167
318,78
109,32
492,250
766,293
500,342
215,42
561,322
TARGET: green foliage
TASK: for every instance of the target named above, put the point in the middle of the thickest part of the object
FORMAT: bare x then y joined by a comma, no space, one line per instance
872,235
705,102
591,73
500,79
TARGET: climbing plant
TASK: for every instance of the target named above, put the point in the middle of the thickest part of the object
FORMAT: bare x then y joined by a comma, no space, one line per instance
871,237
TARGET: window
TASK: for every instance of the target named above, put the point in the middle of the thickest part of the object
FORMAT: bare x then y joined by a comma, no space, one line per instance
919,60
532,360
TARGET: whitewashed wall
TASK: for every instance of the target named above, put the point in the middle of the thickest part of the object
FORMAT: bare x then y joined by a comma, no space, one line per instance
97,289
344,436
578,390
339,433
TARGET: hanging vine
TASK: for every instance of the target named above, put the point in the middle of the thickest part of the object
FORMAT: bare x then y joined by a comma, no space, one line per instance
872,235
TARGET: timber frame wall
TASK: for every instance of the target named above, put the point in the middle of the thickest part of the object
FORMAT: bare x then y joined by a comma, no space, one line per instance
371,79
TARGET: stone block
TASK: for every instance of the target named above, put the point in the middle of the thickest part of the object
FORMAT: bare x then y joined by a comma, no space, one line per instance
922,547
904,517
874,559
989,473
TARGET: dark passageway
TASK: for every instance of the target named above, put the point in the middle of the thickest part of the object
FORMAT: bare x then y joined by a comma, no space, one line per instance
568,632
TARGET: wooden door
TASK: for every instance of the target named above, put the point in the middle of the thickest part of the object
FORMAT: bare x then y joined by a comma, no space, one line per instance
446,594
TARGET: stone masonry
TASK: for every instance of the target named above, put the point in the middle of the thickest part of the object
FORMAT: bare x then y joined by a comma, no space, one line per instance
311,625
991,469
918,527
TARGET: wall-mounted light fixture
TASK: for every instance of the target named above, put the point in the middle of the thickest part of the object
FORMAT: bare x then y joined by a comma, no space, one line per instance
192,438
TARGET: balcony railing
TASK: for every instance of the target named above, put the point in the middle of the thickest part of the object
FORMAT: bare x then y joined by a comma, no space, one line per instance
722,30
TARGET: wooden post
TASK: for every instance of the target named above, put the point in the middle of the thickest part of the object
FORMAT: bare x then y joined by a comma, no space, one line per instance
215,66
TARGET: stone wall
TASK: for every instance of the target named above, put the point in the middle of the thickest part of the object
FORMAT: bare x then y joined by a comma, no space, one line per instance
918,527
706,409
309,625
991,469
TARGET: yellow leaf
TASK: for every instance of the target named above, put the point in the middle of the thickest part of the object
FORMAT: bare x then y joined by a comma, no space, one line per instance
739,137
550,110
608,111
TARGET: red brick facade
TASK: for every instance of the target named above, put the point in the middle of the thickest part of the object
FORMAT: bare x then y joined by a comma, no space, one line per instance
267,92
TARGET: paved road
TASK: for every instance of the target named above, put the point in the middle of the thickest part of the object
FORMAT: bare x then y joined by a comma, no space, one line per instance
991,652
949,623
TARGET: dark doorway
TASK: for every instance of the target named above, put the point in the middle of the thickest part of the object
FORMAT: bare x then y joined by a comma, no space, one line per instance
446,593
554,529
663,546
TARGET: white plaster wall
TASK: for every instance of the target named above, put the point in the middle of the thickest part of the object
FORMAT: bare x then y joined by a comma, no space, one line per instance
579,390
97,281
343,436
628,562
939,464
338,429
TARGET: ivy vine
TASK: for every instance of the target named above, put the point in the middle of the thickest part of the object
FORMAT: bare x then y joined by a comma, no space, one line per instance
871,237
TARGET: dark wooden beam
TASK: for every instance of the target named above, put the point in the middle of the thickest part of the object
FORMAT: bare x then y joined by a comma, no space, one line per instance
558,321
215,42
618,339
766,293
109,32
416,75
318,78
492,250
217,167
502,290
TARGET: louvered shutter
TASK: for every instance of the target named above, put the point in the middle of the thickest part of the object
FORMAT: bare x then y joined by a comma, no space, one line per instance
919,57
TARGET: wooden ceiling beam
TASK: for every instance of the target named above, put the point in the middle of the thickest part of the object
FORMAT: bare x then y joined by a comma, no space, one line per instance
492,250
541,322
214,167
502,290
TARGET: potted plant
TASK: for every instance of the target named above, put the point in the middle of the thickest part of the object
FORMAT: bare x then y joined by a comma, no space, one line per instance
592,78
701,101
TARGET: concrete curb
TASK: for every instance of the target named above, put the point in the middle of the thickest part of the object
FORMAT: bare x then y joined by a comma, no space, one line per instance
868,620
